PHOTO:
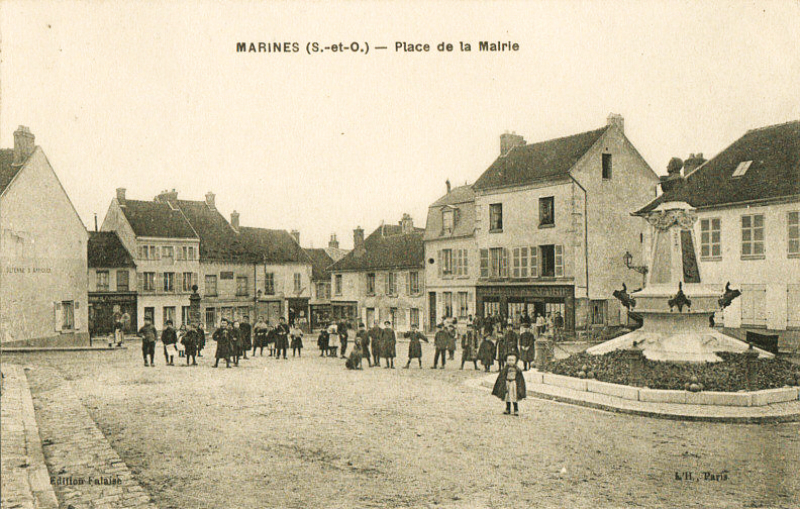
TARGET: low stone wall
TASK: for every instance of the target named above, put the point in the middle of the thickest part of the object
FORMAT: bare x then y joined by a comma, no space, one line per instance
744,399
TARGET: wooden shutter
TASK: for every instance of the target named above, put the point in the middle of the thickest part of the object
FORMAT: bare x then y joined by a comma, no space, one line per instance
516,261
76,316
559,260
408,283
484,263
58,317
534,261
504,263
466,263
441,263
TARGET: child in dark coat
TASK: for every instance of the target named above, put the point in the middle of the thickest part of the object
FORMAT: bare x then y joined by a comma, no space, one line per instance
510,385
414,345
486,352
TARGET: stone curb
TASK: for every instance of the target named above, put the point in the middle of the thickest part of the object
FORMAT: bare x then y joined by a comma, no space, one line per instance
23,349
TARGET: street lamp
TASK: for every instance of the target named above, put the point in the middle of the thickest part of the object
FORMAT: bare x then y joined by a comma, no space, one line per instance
628,258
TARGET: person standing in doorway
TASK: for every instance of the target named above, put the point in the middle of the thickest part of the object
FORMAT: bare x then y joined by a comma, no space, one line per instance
148,335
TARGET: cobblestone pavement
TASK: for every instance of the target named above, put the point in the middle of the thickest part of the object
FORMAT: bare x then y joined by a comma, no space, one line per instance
308,433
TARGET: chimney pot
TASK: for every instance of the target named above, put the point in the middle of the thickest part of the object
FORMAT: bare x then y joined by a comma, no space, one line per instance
407,224
211,200
358,241
23,145
333,243
296,235
447,183
508,141
235,220
121,196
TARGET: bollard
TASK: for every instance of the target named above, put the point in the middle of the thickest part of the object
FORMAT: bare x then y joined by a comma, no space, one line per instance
636,367
750,357
542,355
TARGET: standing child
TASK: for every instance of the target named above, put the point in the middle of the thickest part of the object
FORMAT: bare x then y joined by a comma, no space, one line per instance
375,337
414,345
281,338
148,335
297,340
388,344
260,333
222,336
170,338
236,343
469,347
190,344
322,342
486,352
362,341
510,385
527,344
246,331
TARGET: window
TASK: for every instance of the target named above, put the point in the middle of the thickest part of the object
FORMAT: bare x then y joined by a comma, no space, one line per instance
102,280
338,283
793,243
741,169
169,282
186,253
269,283
448,220
391,283
598,312
211,285
241,286
710,240
64,315
186,315
496,217
412,288
484,254
753,236
547,211
186,285
606,166
463,307
168,253
148,252
446,262
520,265
371,284
398,317
447,302
149,281
552,261
461,262
226,276
298,283
123,281
414,317
169,315
211,318
498,262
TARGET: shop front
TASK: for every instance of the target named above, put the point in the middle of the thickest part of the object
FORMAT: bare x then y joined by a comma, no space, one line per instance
298,312
511,301
321,316
102,307
345,311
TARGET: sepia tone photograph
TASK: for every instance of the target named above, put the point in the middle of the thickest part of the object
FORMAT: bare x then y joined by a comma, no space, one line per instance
384,254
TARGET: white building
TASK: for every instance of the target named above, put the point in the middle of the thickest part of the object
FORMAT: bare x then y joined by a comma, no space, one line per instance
43,286
748,202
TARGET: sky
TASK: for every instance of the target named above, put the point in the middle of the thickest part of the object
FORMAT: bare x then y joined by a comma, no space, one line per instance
153,95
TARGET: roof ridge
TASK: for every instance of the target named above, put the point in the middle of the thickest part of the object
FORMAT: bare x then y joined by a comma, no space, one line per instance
756,129
559,138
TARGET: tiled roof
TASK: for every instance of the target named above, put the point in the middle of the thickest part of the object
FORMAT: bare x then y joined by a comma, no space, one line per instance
385,249
320,261
218,240
272,246
155,219
537,161
462,201
105,250
773,173
7,171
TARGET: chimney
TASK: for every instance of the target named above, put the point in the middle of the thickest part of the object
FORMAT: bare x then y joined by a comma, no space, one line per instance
296,235
235,220
358,241
447,183
23,145
510,140
616,120
674,179
121,196
693,162
211,200
407,224
333,243
170,197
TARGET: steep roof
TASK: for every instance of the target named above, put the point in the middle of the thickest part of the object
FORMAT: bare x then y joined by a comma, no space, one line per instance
156,219
105,250
320,261
537,161
773,173
218,240
272,246
387,248
7,171
462,201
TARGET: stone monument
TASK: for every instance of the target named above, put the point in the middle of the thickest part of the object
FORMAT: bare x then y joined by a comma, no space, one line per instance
676,307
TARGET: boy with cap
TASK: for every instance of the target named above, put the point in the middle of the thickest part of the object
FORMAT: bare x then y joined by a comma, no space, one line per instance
223,338
170,338
440,342
375,335
388,344
510,385
362,342
148,335
414,345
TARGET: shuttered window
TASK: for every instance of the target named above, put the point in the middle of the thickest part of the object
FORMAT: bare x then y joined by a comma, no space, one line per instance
534,259
754,305
484,263
559,265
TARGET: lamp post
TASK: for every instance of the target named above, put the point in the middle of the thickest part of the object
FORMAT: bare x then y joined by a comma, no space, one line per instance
194,307
641,269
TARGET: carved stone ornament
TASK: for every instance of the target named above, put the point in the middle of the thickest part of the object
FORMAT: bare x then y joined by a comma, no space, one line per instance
664,219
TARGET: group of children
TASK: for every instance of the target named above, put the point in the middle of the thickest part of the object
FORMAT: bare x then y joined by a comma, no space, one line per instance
379,343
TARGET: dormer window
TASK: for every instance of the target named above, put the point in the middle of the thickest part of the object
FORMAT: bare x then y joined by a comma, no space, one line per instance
448,221
741,169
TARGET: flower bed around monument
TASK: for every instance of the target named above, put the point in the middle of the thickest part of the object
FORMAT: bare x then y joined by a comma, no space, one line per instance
728,375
